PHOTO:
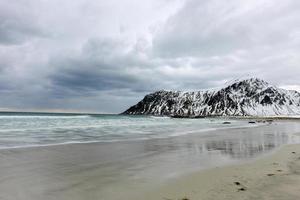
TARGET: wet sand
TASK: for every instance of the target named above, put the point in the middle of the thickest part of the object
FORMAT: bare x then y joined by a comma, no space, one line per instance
154,169
276,177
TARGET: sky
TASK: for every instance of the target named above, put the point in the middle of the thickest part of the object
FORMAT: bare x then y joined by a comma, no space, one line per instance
103,56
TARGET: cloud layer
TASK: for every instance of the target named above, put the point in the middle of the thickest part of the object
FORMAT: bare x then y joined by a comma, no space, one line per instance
104,56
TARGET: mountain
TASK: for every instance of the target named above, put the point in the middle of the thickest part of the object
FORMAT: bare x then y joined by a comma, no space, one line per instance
250,97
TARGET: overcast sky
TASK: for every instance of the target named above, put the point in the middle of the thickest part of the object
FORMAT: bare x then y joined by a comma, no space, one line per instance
103,56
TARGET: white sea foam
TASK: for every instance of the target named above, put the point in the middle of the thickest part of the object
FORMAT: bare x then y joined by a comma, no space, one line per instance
34,130
160,117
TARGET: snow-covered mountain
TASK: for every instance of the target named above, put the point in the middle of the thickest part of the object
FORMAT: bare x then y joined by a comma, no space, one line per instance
250,97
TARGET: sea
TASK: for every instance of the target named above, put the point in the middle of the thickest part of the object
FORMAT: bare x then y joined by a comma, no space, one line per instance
42,129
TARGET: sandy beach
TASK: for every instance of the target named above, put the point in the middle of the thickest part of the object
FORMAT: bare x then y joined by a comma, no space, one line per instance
240,163
274,177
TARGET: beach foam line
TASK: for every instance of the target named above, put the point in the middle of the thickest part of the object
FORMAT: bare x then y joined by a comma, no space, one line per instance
49,145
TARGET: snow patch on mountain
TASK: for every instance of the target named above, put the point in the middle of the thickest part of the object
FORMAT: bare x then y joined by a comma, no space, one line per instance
250,97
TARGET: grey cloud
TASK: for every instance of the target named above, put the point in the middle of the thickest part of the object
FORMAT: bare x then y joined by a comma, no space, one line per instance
14,32
218,28
18,23
75,57
99,66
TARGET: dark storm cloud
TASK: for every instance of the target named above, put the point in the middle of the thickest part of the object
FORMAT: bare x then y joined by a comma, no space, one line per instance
101,65
103,56
86,78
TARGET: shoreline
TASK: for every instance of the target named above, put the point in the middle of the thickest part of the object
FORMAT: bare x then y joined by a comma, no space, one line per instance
276,176
179,134
257,122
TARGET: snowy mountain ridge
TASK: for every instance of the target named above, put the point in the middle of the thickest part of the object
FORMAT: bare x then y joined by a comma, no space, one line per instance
249,97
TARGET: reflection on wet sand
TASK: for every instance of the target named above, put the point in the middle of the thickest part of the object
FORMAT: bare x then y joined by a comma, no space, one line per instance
235,143
244,148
